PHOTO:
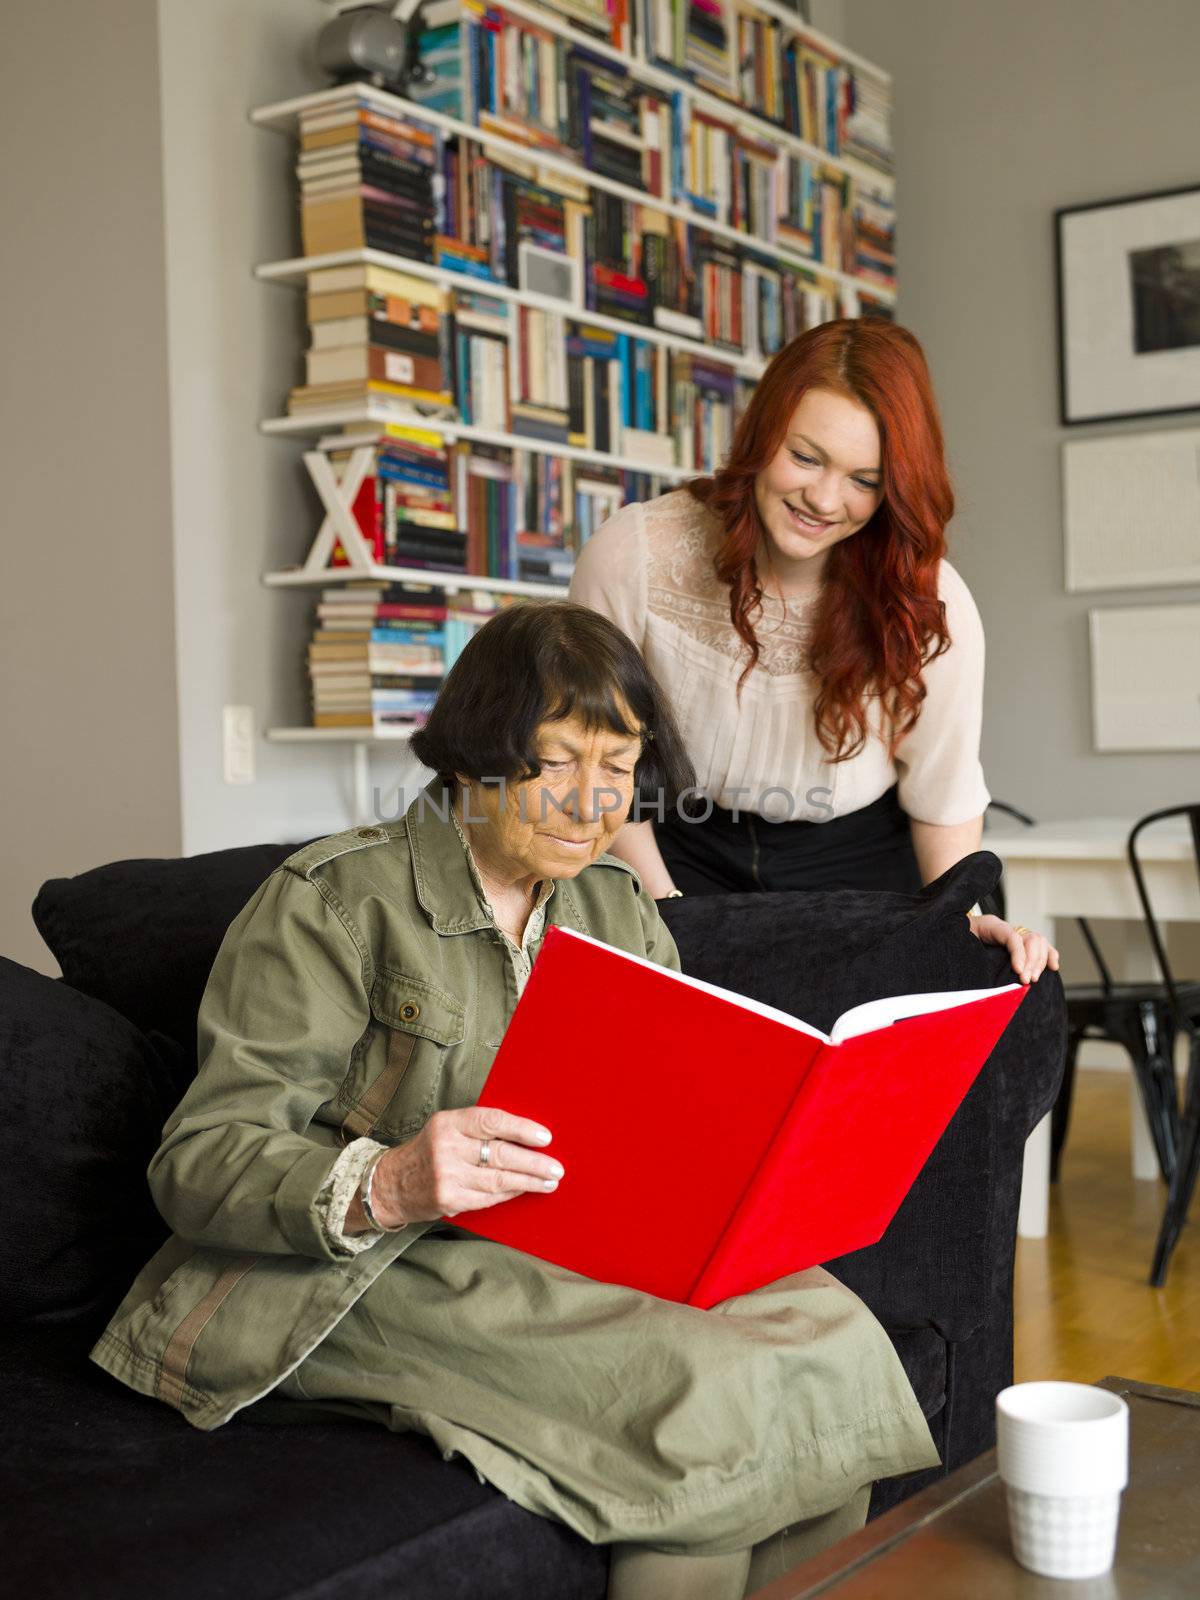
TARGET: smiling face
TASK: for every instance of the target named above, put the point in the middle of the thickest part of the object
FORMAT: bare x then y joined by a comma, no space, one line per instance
554,825
824,483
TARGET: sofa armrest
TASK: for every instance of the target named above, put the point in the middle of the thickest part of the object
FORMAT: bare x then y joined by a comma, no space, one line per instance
950,1244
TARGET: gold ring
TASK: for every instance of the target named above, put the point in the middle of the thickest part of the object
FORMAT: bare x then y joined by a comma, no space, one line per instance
1021,929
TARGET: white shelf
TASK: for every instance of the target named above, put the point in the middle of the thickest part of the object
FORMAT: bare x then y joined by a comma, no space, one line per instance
337,736
297,269
452,582
360,416
283,113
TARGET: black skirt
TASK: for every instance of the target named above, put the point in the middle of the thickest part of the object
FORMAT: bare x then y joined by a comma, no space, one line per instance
723,854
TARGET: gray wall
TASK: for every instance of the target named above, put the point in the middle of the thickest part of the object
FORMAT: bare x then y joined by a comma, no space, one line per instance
88,724
1003,113
242,502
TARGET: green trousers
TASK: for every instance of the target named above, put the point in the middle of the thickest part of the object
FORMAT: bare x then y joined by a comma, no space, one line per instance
639,1574
634,1421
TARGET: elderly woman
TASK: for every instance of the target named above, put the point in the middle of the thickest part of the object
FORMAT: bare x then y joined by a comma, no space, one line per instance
345,1035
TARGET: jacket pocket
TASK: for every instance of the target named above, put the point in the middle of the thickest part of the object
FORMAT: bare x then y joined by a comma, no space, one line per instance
417,1025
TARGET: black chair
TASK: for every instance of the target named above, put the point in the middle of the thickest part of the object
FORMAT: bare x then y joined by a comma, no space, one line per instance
1141,1017
1184,1002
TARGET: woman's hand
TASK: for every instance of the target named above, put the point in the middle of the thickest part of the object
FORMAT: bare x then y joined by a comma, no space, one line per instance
438,1174
1031,953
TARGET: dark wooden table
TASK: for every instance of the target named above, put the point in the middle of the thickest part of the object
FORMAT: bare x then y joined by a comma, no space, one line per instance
950,1542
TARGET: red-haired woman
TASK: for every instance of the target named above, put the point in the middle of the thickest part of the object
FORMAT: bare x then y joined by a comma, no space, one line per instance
824,660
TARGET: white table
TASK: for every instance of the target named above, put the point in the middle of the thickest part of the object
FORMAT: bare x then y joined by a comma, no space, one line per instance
1072,869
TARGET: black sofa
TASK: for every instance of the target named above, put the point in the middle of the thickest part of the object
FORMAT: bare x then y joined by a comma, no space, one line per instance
106,1493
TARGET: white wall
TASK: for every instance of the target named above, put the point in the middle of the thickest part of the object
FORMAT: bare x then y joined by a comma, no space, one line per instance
242,503
1003,113
87,651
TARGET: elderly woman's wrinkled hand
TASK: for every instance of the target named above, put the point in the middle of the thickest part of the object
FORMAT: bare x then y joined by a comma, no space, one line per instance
462,1161
1031,953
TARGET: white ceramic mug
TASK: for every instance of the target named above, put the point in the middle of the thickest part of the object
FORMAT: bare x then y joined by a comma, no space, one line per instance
1063,1450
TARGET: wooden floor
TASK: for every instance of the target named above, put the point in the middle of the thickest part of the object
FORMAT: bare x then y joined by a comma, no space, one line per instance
1083,1306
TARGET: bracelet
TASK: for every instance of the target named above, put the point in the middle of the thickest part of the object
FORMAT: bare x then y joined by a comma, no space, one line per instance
364,1195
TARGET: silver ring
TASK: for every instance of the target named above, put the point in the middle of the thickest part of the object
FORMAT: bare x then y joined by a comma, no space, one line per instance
485,1152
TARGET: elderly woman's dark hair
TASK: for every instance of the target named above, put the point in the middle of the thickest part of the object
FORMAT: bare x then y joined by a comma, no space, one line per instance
535,663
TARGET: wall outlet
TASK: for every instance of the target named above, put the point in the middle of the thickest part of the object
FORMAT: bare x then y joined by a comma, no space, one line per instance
239,744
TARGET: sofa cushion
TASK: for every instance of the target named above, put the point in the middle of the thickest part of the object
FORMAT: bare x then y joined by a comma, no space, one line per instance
142,935
110,1494
817,953
85,1095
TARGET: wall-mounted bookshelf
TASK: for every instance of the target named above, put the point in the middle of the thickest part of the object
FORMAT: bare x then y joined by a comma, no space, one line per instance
545,16
543,282
286,115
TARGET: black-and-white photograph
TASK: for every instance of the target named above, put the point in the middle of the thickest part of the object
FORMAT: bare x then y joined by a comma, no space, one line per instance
1165,282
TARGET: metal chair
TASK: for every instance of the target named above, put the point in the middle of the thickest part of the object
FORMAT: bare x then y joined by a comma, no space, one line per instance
1184,1002
1141,1017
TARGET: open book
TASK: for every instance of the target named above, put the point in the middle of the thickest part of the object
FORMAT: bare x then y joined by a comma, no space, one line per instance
711,1143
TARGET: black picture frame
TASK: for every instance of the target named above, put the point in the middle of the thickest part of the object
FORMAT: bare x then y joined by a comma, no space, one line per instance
1127,275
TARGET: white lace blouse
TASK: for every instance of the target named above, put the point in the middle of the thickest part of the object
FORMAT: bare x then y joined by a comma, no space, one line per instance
649,569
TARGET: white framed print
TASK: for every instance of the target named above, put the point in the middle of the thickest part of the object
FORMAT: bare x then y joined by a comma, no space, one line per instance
1146,677
1131,510
1129,306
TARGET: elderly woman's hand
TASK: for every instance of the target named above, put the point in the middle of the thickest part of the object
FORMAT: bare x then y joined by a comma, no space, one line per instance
440,1173
1031,953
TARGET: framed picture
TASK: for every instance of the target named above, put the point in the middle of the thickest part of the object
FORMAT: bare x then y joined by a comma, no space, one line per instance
1146,677
1129,307
1131,510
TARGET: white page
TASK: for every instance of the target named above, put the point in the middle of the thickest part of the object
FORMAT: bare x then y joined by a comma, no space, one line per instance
877,1014
871,1017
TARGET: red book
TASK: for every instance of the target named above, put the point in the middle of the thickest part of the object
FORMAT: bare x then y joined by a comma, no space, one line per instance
610,278
711,1143
387,608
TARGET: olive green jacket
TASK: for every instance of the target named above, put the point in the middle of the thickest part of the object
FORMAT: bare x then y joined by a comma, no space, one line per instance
364,968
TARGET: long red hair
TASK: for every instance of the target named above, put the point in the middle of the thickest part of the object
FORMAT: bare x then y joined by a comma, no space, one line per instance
878,619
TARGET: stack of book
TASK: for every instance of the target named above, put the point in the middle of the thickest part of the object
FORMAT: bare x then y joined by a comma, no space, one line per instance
538,396
866,129
606,112
759,56
488,508
613,283
367,179
607,19
816,93
376,661
873,236
532,214
405,506
377,334
483,328
706,41
466,613
439,56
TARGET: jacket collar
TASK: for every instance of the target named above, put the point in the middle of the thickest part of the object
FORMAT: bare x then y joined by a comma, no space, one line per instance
443,875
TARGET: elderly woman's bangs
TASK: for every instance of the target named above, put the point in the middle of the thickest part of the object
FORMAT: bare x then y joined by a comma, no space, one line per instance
539,663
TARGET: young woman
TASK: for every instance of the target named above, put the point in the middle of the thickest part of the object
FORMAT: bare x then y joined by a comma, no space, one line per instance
823,659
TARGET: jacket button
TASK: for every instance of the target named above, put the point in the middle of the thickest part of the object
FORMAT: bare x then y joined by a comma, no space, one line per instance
371,833
410,1011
